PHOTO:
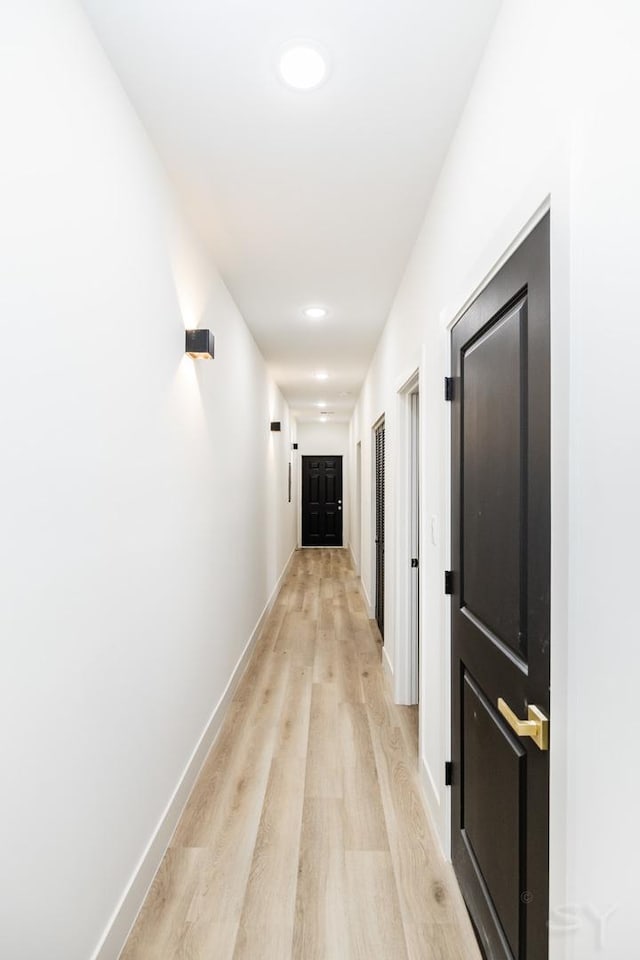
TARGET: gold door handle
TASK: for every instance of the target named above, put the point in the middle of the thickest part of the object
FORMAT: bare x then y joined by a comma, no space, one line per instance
536,727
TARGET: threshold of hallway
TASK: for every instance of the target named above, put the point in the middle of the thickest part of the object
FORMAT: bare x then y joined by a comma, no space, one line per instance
305,836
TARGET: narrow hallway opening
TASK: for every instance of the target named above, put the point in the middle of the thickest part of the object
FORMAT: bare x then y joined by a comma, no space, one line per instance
305,835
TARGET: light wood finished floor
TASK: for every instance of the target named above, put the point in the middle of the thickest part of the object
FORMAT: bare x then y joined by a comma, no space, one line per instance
305,836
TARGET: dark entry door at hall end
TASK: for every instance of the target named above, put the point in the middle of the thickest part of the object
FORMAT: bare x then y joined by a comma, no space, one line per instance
322,501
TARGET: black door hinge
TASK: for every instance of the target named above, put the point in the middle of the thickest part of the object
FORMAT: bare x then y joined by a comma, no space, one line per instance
448,582
414,561
448,773
448,388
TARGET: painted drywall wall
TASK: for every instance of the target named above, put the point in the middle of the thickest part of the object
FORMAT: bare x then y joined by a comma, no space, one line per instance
603,723
325,439
134,556
542,125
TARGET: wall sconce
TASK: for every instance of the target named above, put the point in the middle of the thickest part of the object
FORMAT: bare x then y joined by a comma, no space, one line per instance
275,426
199,344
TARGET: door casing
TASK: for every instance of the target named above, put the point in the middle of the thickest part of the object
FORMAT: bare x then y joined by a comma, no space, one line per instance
379,423
357,512
559,370
340,461
406,526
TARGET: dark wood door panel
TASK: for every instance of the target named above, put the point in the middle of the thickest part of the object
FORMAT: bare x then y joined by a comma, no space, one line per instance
331,524
314,531
493,469
493,811
313,487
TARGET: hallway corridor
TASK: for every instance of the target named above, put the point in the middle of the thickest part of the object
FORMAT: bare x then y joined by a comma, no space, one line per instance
305,835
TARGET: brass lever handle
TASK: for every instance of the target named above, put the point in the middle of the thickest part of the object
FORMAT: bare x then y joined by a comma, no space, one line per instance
536,726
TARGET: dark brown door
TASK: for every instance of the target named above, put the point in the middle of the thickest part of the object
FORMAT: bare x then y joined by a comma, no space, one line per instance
322,501
379,435
500,605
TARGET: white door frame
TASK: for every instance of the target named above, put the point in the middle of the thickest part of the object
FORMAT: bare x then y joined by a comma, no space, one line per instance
378,422
448,319
407,512
357,512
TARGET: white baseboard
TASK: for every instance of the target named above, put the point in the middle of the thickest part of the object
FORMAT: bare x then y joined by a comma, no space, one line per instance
118,929
353,560
433,807
367,602
386,663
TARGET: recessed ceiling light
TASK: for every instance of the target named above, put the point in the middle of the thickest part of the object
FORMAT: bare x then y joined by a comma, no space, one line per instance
302,66
316,313
322,375
321,404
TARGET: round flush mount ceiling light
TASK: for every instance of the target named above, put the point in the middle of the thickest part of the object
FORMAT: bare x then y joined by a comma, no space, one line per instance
316,313
322,375
302,65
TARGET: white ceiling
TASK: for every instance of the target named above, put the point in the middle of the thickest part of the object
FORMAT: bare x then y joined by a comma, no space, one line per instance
303,198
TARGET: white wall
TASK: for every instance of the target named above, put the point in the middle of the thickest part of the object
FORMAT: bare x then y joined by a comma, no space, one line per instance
317,439
604,510
550,116
134,556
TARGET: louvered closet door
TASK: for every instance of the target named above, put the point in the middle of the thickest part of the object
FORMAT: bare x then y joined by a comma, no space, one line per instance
379,435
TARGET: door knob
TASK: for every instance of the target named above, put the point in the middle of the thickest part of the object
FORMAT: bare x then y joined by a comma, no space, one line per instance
536,726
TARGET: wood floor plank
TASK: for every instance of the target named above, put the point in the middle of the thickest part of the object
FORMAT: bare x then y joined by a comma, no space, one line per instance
268,910
266,642
324,766
293,730
305,836
325,615
326,589
238,768
365,827
425,886
350,664
325,663
321,929
206,939
303,647
408,719
161,926
229,837
375,921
